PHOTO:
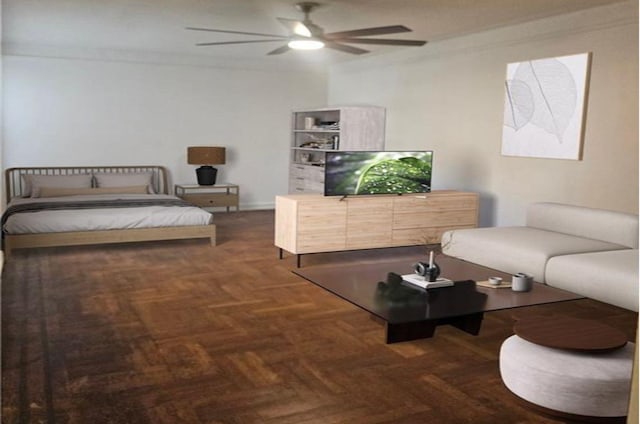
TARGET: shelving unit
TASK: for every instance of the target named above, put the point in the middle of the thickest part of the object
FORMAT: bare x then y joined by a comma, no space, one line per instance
317,131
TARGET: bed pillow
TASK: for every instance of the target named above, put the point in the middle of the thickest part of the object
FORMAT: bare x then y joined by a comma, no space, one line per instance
32,183
58,192
106,179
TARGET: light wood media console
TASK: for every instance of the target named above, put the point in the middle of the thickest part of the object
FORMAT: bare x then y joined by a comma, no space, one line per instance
313,223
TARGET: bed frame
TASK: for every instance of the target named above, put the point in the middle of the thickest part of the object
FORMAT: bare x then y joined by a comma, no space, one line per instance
14,187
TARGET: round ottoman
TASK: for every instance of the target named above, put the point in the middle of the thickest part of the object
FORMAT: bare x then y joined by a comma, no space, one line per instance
572,382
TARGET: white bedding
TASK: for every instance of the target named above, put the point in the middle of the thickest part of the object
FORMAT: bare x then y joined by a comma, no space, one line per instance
56,221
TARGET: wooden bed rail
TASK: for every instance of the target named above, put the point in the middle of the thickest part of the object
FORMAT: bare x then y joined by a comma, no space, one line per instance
15,183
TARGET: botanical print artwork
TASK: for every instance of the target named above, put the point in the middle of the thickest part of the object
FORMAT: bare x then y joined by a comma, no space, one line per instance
544,107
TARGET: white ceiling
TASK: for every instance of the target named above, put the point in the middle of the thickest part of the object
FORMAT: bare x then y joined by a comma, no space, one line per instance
157,26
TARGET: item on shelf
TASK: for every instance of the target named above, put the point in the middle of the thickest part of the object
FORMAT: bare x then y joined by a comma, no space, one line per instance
309,122
318,144
329,125
328,144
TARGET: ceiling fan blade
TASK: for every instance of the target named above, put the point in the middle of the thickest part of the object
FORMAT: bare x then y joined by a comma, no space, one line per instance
393,29
344,48
235,42
236,32
389,42
280,50
294,26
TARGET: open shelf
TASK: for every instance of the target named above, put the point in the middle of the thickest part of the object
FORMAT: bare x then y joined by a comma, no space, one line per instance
358,128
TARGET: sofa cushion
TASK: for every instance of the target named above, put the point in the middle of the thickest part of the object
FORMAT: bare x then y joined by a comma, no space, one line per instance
610,277
599,224
517,249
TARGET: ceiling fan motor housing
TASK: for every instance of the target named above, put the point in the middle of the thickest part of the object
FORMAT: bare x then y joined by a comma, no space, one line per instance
306,7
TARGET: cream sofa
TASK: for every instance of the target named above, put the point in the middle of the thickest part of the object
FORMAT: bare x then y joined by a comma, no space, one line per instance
593,252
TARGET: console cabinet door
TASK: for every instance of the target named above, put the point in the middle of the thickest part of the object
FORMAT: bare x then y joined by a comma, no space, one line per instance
423,219
368,222
321,226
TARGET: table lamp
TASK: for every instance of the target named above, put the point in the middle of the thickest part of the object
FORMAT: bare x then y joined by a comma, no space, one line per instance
206,156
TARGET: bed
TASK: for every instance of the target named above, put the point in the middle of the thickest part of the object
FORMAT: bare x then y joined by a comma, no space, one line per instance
70,206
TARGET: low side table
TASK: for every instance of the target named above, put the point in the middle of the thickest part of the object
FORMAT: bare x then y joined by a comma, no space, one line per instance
221,195
561,332
574,369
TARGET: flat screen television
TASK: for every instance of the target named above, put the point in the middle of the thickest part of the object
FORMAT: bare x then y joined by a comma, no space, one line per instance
349,173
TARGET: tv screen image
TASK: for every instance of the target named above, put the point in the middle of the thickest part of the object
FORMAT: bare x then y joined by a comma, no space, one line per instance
366,172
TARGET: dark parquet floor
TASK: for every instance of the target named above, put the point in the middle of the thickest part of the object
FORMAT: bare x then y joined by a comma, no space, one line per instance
182,332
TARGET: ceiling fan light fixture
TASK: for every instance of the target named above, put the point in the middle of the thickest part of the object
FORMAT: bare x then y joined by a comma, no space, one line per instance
305,44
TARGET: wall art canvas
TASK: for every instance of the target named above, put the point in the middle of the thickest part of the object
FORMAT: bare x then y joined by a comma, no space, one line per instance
544,107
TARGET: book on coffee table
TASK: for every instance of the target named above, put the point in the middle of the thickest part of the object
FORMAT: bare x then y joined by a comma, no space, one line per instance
420,281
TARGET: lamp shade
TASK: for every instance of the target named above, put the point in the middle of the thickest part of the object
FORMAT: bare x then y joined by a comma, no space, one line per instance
203,155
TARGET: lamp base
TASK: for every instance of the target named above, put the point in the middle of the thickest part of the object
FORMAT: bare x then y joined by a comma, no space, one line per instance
206,175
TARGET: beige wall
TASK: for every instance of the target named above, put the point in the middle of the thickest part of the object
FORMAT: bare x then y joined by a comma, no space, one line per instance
448,96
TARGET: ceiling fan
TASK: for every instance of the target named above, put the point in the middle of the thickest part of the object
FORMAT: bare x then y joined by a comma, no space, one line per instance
306,35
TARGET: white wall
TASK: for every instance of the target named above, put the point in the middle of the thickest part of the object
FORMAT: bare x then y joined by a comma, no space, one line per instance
448,96
95,112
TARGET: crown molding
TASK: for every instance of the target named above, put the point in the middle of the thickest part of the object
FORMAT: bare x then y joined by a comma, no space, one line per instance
267,64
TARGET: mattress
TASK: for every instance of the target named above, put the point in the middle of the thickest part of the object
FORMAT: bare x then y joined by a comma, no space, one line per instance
107,218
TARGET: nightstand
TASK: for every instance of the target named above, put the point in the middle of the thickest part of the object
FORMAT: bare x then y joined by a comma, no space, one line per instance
215,196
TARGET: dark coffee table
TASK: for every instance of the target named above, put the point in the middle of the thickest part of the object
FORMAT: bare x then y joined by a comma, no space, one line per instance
410,312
